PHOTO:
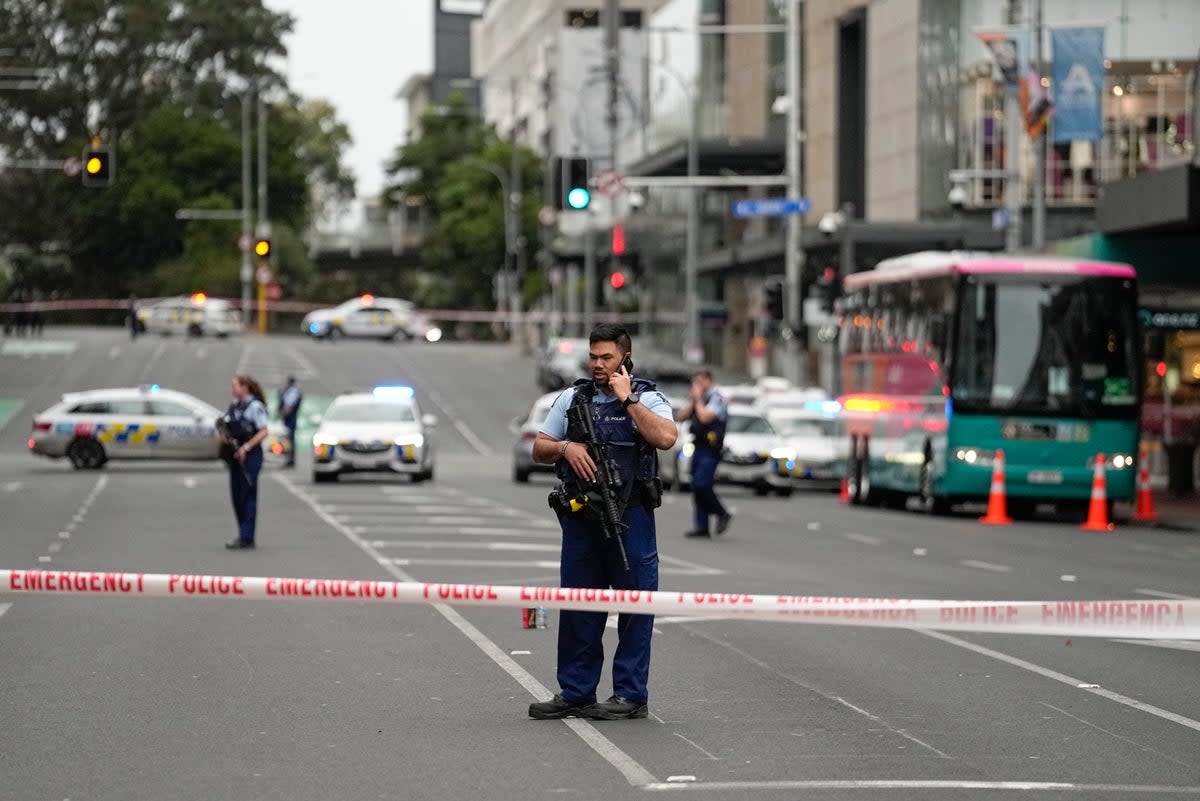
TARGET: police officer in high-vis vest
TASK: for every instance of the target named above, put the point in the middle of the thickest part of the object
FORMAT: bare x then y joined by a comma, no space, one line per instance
706,414
243,428
635,421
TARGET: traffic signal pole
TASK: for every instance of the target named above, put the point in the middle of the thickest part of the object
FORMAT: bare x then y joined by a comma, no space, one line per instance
794,249
264,227
247,221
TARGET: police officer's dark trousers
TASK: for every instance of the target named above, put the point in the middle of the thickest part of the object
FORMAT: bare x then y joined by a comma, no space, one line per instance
588,561
704,497
243,487
289,422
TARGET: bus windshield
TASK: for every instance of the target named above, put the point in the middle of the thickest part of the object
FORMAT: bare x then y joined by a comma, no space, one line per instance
1057,345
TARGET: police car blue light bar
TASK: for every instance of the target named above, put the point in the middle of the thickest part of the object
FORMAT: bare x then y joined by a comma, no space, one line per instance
392,392
829,407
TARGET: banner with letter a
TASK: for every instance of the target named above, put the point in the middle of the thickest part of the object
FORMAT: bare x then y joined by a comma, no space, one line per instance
1078,83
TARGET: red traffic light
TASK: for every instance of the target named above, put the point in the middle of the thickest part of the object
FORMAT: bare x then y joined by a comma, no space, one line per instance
1161,369
618,240
616,280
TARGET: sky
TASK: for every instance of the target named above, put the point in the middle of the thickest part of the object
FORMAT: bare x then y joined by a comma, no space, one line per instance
357,54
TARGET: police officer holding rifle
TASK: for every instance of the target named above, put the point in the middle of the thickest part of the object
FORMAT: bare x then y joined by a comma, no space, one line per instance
603,435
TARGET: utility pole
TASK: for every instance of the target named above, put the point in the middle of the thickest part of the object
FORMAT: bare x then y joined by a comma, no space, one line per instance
612,47
516,269
1013,189
794,244
247,199
547,235
1039,145
264,225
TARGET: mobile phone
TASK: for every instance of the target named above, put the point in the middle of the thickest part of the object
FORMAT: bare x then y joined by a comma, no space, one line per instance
627,363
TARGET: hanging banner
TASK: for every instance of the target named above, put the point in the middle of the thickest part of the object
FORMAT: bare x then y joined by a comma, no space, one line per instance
1035,104
1078,83
1008,47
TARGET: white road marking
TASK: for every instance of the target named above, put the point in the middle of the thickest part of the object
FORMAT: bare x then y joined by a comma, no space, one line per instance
44,559
814,689
920,551
992,566
698,748
465,546
1111,733
690,568
13,486
189,482
1066,577
925,784
244,359
1063,678
813,526
201,352
4,608
307,369
629,767
1162,594
468,531
152,361
469,435
54,547
1178,645
865,539
520,653
64,535
475,563
114,352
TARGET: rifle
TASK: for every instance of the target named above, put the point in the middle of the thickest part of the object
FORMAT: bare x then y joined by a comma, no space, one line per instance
581,428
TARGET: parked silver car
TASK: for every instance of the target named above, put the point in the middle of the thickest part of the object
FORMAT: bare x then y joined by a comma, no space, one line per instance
526,428
562,362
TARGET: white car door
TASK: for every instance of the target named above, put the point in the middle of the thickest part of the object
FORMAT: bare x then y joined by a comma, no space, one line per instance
122,429
183,433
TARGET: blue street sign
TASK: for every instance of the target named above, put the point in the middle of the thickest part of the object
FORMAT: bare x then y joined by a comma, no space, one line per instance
771,207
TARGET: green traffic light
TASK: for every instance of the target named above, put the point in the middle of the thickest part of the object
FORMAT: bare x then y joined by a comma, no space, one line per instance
578,198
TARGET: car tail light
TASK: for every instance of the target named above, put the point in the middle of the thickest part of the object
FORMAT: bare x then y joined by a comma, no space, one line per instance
38,425
31,443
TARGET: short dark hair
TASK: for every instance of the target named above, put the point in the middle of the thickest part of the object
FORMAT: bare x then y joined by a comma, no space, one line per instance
611,332
704,372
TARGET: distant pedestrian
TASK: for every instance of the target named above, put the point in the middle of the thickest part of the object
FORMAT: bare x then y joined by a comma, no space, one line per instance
290,399
706,413
134,323
243,428
37,318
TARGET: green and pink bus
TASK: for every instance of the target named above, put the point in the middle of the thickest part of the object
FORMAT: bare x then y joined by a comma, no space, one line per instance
948,358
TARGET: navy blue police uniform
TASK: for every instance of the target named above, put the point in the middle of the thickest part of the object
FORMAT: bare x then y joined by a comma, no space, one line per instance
242,421
708,440
589,561
289,411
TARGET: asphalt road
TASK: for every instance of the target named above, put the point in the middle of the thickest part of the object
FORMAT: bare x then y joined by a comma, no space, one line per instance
114,698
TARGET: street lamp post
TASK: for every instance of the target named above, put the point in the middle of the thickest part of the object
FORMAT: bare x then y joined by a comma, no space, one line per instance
692,351
510,239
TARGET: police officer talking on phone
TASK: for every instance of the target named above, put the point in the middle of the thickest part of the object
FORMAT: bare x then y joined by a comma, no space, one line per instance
634,421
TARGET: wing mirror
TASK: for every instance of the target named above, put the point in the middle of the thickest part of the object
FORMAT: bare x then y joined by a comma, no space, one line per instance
429,420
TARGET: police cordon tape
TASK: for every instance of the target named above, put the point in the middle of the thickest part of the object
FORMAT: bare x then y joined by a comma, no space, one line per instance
1142,619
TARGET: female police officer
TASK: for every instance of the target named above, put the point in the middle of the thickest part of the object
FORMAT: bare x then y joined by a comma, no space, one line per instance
633,420
244,428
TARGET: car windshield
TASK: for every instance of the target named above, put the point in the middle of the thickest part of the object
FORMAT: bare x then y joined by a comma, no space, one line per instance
748,424
376,412
1051,345
805,427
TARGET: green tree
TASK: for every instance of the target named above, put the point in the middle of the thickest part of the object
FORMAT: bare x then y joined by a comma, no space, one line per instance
445,170
161,82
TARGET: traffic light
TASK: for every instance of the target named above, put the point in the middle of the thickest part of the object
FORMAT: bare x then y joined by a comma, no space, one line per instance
572,190
774,297
262,248
618,279
98,167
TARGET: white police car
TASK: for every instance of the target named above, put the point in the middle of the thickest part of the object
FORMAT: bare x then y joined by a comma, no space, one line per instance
370,317
148,422
194,315
378,431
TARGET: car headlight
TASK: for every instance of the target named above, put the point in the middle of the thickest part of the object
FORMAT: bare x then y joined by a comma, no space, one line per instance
433,335
416,440
783,454
975,456
1119,461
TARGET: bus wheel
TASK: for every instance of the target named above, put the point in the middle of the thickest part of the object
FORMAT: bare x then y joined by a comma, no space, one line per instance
931,503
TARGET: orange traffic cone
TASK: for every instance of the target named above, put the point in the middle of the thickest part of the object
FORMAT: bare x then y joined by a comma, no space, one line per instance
844,495
997,511
1097,519
1143,511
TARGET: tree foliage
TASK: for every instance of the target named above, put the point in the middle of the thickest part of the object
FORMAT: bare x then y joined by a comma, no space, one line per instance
448,169
161,82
